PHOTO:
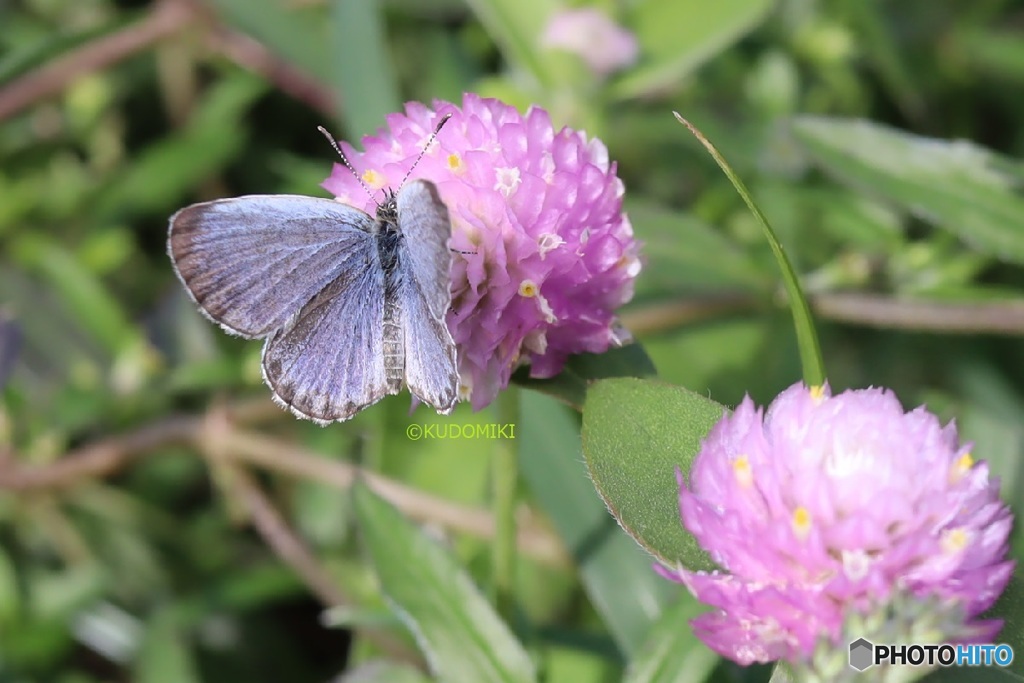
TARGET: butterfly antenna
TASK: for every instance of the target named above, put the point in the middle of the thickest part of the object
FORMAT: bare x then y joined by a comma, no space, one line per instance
430,141
344,160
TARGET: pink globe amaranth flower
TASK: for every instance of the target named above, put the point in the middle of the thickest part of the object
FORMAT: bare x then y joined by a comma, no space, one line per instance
832,505
543,252
590,34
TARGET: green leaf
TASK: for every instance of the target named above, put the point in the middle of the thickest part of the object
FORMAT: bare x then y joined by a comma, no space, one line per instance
363,73
379,671
462,637
677,36
164,656
85,296
38,54
1010,608
989,674
299,37
1000,53
958,186
672,653
988,415
868,21
62,594
549,448
167,170
574,659
515,25
570,385
352,617
636,433
856,220
11,600
681,249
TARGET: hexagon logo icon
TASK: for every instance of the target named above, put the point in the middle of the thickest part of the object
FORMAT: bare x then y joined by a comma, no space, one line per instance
861,654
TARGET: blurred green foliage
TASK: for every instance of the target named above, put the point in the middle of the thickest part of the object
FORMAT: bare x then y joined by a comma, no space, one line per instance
847,119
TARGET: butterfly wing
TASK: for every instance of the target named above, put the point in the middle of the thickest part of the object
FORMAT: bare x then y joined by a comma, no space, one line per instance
329,363
423,220
250,263
431,369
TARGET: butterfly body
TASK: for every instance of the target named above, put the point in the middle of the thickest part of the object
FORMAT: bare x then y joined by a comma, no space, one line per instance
389,245
352,308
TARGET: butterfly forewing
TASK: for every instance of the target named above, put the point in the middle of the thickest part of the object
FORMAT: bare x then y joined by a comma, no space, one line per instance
423,220
328,364
431,370
252,262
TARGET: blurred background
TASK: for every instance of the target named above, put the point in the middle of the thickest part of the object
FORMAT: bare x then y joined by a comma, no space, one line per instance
162,520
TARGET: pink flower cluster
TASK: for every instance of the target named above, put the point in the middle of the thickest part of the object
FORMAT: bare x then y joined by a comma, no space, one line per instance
830,505
590,34
544,254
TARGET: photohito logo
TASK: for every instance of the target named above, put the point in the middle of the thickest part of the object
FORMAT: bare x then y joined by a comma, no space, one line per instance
864,654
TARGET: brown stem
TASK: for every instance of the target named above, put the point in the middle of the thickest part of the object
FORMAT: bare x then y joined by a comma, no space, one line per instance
871,310
667,315
107,456
286,458
252,55
271,526
111,454
926,316
168,17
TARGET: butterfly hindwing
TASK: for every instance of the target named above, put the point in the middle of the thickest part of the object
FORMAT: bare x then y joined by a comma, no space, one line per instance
431,370
328,364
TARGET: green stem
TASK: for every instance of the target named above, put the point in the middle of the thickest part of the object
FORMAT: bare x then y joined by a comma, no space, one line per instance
505,480
806,337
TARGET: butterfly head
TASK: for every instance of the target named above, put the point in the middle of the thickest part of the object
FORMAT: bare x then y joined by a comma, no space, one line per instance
387,210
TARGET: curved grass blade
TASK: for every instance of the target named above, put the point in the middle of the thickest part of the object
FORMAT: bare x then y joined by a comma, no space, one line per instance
806,336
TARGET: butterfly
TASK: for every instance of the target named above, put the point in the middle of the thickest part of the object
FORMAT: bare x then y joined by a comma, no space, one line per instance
352,307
